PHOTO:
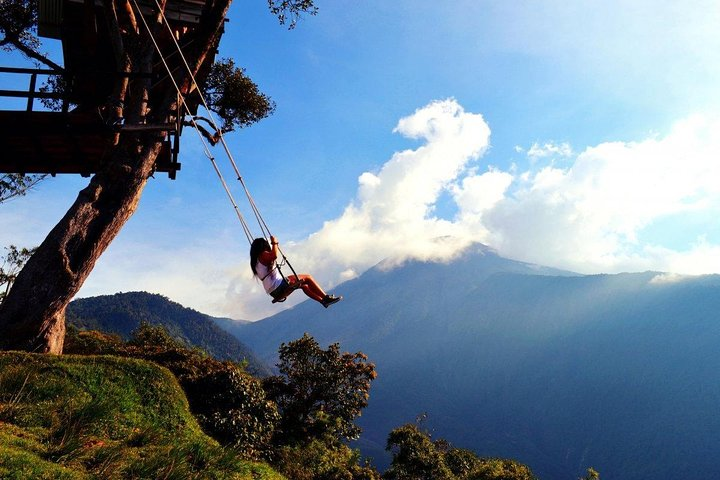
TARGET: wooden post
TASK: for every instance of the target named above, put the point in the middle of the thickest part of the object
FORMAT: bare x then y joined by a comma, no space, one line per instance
31,91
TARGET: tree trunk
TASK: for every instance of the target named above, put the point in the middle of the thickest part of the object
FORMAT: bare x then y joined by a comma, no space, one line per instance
32,316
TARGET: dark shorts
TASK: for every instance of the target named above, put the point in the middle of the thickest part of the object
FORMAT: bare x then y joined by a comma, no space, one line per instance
281,290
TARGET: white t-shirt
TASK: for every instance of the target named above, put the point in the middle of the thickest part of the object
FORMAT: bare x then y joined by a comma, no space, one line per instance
270,276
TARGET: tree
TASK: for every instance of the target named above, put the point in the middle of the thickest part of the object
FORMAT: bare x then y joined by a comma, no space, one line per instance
461,461
501,469
16,184
415,456
319,392
32,317
318,460
591,474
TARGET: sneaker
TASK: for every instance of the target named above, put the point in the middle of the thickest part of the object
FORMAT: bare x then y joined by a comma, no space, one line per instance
330,299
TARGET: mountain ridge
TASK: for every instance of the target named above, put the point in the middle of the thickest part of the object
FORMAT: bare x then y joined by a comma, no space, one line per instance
122,313
515,360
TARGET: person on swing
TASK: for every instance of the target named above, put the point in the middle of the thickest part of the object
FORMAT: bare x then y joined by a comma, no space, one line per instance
263,256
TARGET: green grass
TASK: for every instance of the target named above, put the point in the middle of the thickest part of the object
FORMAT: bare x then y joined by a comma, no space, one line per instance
101,417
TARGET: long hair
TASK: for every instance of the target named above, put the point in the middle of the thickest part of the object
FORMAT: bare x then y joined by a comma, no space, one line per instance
258,246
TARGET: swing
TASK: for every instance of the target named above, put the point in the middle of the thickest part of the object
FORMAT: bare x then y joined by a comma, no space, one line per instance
287,290
261,222
287,287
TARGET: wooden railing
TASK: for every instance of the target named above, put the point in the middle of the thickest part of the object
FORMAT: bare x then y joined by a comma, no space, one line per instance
32,93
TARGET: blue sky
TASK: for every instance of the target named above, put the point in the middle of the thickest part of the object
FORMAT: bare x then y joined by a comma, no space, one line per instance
581,136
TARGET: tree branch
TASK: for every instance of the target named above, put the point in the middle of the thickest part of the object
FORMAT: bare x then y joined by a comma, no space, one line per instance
29,52
213,139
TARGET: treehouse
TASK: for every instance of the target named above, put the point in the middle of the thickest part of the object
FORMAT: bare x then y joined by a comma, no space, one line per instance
62,121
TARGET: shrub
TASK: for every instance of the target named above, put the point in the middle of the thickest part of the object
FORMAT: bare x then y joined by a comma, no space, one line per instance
322,460
230,404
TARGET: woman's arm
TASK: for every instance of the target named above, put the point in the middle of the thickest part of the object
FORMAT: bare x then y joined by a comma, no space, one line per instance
267,258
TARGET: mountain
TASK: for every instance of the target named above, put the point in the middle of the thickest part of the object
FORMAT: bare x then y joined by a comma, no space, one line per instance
122,313
230,325
557,370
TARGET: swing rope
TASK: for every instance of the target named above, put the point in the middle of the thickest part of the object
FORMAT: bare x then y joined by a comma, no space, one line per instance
261,221
206,148
256,211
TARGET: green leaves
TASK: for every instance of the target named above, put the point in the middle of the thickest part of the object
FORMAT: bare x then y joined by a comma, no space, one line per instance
320,392
10,266
417,457
292,10
235,98
17,184
18,21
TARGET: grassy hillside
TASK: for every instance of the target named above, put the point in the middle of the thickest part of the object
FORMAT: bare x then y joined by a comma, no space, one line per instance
77,417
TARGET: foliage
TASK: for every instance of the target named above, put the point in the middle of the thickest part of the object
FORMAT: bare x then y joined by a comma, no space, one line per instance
319,392
229,403
461,461
122,314
91,342
58,85
154,338
235,98
591,474
322,460
10,266
417,457
18,21
75,417
292,9
18,26
501,469
17,184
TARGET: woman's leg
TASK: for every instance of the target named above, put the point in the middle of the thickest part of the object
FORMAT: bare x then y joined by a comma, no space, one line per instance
309,286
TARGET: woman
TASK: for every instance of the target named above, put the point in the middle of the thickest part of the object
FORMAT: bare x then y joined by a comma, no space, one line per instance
262,261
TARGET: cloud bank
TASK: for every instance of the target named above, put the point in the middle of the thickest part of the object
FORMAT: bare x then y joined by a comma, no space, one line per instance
588,216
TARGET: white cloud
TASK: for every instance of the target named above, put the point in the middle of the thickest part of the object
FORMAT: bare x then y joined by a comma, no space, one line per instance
666,278
548,149
586,217
393,213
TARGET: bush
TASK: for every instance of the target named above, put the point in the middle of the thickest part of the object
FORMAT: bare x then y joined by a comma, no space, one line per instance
501,469
322,460
90,342
416,456
230,404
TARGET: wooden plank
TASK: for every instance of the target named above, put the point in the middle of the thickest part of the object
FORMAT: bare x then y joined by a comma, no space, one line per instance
57,143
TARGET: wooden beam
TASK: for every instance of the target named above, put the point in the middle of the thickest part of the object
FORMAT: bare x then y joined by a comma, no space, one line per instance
169,127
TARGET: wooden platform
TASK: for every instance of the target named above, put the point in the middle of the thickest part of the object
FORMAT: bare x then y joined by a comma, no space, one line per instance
55,142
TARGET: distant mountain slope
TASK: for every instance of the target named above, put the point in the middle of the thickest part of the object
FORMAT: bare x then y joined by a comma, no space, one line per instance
559,371
122,313
233,327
